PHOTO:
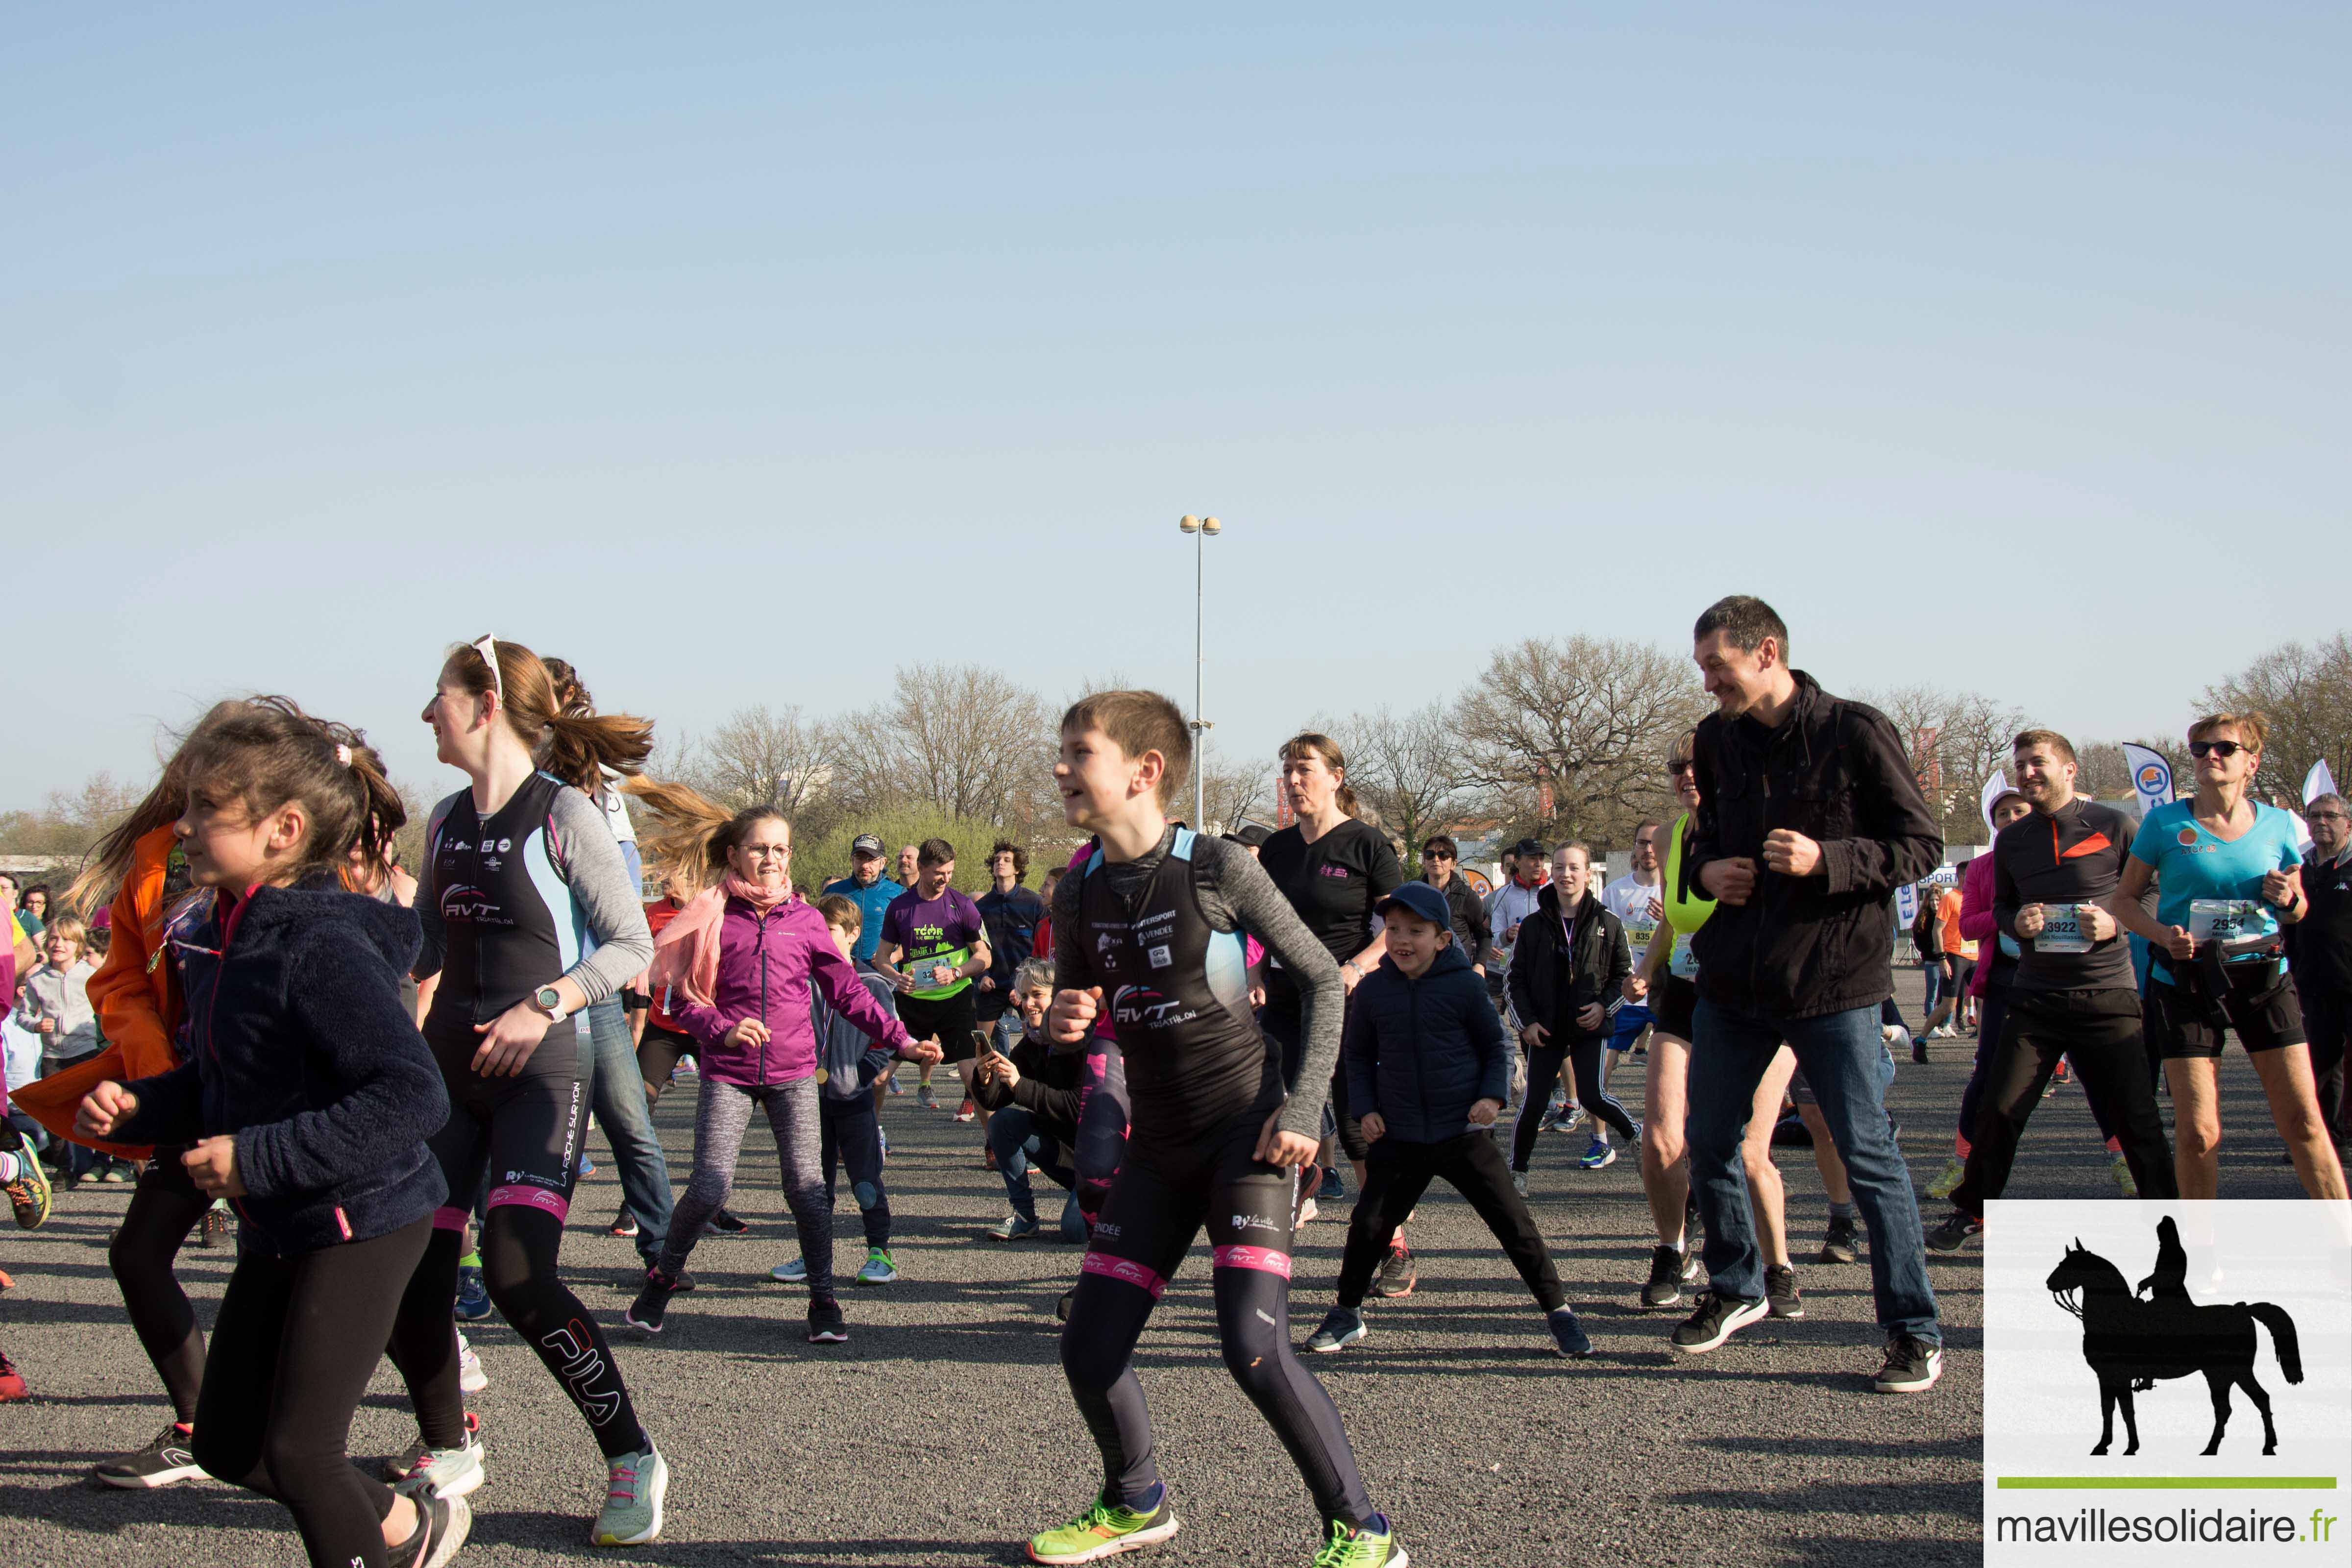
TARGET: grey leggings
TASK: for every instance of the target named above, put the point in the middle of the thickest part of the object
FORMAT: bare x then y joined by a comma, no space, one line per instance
720,1119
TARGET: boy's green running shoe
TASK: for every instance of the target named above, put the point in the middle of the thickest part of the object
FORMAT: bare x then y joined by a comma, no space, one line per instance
1106,1529
1374,1545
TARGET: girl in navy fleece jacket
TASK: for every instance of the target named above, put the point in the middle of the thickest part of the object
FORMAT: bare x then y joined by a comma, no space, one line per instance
308,1095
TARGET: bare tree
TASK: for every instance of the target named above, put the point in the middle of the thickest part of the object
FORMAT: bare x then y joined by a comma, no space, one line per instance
961,738
1408,767
2305,695
1956,740
1231,791
1584,723
67,825
761,756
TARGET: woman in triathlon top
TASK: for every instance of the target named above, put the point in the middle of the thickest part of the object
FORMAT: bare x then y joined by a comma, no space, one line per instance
1332,869
1667,975
2227,873
529,918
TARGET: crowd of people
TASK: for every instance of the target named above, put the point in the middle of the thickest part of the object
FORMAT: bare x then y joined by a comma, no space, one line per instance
380,1079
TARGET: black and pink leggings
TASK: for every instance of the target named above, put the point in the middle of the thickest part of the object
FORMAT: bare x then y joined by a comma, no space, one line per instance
520,1135
1157,1204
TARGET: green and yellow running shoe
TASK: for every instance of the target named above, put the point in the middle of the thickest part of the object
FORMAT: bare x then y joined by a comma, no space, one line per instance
1106,1529
1373,1545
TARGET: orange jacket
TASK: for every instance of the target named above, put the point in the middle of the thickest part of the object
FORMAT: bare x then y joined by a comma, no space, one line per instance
136,992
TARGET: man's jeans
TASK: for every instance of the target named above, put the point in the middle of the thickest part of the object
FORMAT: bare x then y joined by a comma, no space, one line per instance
1019,1148
1840,1057
617,1096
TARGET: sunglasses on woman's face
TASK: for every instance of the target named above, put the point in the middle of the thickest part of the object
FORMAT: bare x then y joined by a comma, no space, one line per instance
1435,855
1677,770
2223,749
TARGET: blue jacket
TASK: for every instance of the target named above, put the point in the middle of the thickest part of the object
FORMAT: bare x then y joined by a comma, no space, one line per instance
298,1044
1421,1051
851,1057
871,902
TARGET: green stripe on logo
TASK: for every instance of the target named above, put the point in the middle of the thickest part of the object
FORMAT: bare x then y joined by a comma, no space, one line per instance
2167,1483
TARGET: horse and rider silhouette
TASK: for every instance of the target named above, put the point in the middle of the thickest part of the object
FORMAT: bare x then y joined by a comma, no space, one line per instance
2133,1344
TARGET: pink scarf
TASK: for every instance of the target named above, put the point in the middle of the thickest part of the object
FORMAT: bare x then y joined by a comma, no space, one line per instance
686,953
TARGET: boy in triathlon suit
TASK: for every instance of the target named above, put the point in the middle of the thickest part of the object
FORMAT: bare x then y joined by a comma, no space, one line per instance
1149,930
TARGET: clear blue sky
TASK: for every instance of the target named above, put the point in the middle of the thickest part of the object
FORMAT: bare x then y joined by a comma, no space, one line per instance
736,354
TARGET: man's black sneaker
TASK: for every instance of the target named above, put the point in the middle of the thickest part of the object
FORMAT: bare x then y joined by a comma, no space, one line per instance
1717,1319
625,1224
1955,1229
1669,1272
1397,1275
1781,1298
1912,1366
1341,1327
826,1325
1838,1244
645,1312
723,1223
166,1462
1567,1334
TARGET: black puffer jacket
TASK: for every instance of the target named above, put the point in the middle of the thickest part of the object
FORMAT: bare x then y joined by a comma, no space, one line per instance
1835,772
1550,984
299,1044
1422,1052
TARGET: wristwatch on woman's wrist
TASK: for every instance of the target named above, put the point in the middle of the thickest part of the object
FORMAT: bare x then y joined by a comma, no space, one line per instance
550,1000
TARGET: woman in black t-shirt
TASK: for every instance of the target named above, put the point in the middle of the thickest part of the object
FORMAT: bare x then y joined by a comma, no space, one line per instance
1333,868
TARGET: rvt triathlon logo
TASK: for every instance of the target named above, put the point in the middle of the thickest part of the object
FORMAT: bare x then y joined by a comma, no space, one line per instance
1140,1006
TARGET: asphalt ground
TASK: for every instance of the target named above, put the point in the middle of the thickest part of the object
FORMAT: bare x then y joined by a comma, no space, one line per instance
942,1433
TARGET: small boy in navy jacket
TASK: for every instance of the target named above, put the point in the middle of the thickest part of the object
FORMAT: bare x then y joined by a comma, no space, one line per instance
1425,1050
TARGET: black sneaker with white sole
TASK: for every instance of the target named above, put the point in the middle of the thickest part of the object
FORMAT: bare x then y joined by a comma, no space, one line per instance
827,1326
1341,1327
166,1462
1913,1365
1669,1271
1950,1235
1717,1319
1782,1297
647,1311
1397,1275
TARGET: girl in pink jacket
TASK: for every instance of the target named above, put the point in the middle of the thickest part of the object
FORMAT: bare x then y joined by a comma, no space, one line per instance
741,960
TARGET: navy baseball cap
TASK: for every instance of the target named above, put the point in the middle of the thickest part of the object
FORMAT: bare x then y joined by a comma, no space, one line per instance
865,844
1419,898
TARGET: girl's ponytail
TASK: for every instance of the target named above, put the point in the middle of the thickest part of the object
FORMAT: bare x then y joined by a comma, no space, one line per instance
546,705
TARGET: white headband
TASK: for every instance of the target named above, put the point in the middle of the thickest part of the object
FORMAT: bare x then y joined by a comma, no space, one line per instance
488,648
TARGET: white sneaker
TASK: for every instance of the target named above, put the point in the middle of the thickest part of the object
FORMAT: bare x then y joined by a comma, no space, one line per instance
471,1378
634,1485
1307,1213
446,1472
793,1273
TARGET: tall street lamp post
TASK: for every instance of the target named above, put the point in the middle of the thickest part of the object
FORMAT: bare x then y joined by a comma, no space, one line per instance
1201,529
